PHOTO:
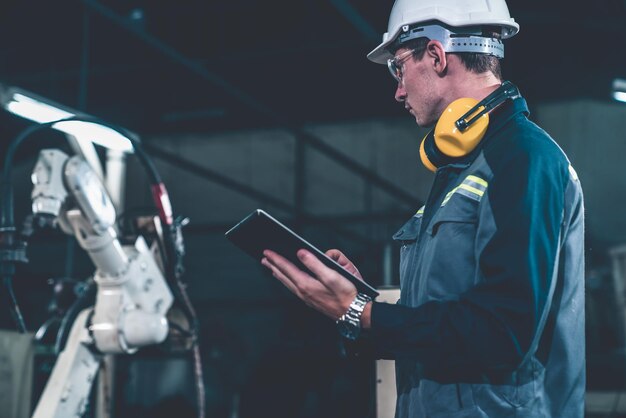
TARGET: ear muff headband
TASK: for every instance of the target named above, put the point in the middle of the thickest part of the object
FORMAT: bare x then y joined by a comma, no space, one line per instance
461,127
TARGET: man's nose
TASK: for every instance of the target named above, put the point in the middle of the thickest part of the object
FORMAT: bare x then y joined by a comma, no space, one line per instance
400,92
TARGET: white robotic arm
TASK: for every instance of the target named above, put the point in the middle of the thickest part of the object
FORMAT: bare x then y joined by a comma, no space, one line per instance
132,298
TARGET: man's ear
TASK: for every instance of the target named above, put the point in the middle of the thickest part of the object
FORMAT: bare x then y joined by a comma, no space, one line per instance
437,56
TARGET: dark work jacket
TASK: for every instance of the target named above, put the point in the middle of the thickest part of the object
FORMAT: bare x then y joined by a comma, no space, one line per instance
490,321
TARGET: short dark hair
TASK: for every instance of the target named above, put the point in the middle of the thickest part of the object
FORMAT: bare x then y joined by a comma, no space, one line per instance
476,63
480,63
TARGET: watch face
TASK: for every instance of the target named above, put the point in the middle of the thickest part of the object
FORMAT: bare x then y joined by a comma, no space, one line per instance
348,330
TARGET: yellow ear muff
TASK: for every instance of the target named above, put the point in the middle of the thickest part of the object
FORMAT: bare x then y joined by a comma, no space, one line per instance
425,159
447,142
450,139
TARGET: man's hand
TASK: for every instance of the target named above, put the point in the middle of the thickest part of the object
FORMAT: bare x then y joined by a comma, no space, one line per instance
326,291
344,262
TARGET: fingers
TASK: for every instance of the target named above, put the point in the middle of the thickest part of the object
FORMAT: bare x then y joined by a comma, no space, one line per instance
323,289
315,265
339,257
287,269
281,277
344,262
297,281
336,255
284,270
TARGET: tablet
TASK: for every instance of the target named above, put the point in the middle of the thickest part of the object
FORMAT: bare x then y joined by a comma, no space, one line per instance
260,231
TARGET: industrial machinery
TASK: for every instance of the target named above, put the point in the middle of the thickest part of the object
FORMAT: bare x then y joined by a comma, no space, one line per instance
136,284
132,297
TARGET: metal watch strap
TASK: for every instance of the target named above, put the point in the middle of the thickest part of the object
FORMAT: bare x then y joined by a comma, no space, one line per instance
353,315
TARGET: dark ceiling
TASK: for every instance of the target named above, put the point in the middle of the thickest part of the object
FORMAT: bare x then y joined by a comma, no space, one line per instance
202,66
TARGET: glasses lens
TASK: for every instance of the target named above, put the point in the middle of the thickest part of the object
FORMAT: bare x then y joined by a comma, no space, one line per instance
395,64
394,69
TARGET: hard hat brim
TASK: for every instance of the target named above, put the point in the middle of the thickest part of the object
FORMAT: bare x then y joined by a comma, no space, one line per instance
380,54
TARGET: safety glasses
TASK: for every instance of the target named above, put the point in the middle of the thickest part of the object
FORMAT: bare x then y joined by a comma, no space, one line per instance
395,64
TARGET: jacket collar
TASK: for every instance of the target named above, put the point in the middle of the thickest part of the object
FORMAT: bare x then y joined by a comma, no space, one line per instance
504,113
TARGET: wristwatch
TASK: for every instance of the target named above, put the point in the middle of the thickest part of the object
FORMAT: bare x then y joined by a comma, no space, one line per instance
349,324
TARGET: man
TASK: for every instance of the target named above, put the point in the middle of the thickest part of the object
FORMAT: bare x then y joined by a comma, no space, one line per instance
490,322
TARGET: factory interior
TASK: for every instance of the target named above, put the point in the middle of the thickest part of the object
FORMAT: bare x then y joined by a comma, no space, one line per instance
232,106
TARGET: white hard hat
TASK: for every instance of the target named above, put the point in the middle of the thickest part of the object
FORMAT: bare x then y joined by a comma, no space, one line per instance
455,15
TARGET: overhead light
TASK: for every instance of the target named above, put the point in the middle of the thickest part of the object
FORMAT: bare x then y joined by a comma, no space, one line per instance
37,109
619,89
